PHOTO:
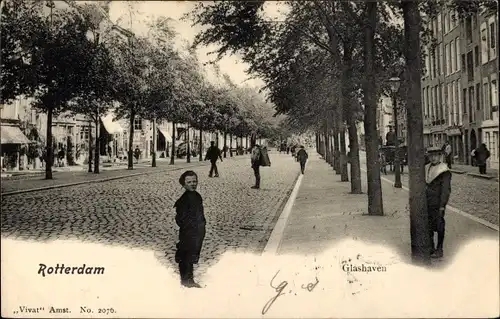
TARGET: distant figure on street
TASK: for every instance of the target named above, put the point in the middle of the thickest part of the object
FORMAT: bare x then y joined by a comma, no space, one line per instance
60,157
447,153
213,153
438,189
137,154
255,163
302,157
481,155
390,138
190,217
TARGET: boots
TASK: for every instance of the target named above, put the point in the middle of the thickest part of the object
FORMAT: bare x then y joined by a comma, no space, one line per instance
187,277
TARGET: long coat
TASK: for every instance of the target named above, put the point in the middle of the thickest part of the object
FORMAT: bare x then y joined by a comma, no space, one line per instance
190,218
438,190
481,155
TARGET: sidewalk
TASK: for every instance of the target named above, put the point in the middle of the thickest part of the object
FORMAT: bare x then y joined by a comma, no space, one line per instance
324,213
474,171
17,184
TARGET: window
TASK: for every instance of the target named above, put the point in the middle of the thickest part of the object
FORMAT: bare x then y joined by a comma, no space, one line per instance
439,23
447,27
478,96
427,65
449,105
486,100
434,62
453,59
476,53
431,100
470,67
452,103
494,95
484,44
464,66
464,103
458,115
453,19
441,92
493,148
492,38
138,124
457,44
441,59
472,113
448,59
468,29
427,102
84,133
459,101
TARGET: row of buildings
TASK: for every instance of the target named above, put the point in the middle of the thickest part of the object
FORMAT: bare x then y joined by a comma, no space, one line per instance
459,86
23,129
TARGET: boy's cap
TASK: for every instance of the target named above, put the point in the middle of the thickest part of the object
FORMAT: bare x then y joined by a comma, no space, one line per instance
434,150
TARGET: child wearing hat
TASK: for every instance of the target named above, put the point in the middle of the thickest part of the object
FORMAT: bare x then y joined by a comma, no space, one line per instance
190,218
438,189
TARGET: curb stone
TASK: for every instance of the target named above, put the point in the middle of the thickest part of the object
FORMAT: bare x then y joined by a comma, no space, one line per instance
481,176
455,171
94,181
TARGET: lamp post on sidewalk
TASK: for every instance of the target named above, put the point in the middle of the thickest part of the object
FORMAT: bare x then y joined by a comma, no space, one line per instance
395,83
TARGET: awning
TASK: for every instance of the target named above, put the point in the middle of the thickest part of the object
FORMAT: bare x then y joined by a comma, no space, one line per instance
111,126
13,135
167,136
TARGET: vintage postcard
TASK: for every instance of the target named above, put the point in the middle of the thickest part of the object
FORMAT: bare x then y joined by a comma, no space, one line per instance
249,159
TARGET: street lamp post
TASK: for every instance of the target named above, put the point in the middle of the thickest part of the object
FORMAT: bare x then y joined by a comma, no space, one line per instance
395,83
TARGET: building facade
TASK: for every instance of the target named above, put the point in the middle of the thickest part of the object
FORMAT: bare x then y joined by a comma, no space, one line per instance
460,84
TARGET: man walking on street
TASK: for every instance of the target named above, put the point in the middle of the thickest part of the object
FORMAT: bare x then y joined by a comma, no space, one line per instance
213,153
302,157
438,189
255,162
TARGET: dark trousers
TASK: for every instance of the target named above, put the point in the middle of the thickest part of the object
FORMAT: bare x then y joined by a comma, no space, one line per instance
256,172
439,227
186,271
213,168
302,166
448,161
482,168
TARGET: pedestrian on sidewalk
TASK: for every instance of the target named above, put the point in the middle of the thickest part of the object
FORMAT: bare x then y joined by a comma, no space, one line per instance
438,189
481,155
447,153
302,157
213,153
255,163
190,218
137,154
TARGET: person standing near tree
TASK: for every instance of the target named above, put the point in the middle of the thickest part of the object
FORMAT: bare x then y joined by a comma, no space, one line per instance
190,217
213,153
302,157
438,189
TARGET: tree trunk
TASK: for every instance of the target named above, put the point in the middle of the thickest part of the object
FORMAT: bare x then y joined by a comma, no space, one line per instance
172,151
332,148
97,143
50,156
375,202
200,156
348,107
336,151
90,146
130,156
419,226
225,145
317,141
188,146
326,141
344,175
231,145
153,159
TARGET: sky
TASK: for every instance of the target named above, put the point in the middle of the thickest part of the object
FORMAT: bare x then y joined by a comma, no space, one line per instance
151,10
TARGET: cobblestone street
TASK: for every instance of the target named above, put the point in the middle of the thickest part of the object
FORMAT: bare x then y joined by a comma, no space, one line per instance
138,211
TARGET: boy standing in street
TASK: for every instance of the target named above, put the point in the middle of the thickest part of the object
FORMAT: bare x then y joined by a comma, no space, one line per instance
190,218
255,163
213,154
302,158
438,189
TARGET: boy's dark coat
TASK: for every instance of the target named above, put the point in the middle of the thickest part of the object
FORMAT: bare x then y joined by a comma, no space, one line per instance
190,218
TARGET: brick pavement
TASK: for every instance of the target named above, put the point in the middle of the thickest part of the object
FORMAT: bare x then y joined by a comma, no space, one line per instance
138,211
324,214
28,182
